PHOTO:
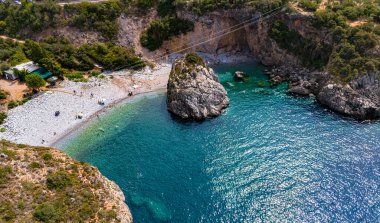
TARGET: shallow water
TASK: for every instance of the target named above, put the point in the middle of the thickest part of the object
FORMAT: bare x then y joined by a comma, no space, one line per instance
270,157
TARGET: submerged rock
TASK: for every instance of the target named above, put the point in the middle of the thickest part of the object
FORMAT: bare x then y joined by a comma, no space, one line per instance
194,90
239,75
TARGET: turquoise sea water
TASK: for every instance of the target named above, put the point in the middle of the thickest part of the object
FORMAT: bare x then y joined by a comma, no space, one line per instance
270,157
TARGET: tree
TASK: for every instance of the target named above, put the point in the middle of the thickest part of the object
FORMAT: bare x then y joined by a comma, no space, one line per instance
21,74
34,51
34,81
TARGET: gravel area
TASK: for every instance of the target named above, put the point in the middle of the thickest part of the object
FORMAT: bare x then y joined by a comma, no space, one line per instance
35,122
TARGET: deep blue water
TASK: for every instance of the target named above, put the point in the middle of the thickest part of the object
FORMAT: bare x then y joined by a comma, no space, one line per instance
270,157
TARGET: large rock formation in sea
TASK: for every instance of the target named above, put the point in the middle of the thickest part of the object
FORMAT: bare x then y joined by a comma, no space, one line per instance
194,90
39,184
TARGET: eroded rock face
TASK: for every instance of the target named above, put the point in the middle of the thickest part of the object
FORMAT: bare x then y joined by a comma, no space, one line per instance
359,98
345,100
194,90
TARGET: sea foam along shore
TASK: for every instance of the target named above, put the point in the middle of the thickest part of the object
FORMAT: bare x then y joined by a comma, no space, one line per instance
35,123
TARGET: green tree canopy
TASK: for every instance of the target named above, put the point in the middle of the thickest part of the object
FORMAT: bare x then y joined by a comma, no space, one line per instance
34,81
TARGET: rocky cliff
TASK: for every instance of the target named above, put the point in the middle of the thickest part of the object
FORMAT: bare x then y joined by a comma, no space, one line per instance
194,90
358,98
254,39
45,185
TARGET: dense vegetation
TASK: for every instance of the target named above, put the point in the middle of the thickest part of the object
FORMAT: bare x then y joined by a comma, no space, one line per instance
28,18
99,17
311,53
48,186
11,54
17,20
165,27
34,81
201,7
347,56
350,53
60,57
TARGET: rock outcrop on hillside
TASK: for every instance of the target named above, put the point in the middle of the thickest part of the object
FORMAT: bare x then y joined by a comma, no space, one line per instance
193,90
39,184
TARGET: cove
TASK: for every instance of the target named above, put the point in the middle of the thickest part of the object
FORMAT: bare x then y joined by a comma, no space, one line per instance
270,157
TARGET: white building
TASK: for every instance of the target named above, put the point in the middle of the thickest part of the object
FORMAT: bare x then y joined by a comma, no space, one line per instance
29,66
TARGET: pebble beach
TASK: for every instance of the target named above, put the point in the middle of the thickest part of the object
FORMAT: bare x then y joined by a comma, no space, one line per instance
36,123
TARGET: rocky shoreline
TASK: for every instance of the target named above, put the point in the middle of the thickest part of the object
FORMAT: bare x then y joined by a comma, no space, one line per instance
360,98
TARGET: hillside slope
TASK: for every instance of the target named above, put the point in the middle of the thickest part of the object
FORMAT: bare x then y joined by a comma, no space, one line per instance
45,185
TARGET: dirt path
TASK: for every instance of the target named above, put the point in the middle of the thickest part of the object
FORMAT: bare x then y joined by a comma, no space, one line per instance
16,40
357,23
15,89
79,1
323,5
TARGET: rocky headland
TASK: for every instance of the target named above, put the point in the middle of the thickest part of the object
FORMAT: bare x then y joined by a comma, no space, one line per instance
39,184
193,90
358,98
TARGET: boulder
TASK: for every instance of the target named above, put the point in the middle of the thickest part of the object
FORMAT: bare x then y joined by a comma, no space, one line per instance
300,88
193,90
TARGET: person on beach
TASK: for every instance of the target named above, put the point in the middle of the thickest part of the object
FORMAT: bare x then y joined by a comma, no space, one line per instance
75,92
91,95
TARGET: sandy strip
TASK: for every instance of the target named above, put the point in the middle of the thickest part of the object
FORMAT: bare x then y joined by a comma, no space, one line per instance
35,123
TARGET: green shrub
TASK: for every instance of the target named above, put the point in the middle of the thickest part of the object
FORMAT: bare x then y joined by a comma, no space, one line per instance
145,4
6,211
28,17
310,52
166,7
47,156
12,104
59,180
2,129
193,59
24,100
100,17
112,56
46,212
328,19
75,76
4,174
34,81
309,5
163,29
95,73
12,155
351,13
3,116
35,165
3,95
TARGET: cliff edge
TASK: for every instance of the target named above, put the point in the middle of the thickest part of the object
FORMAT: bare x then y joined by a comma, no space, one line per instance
39,184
